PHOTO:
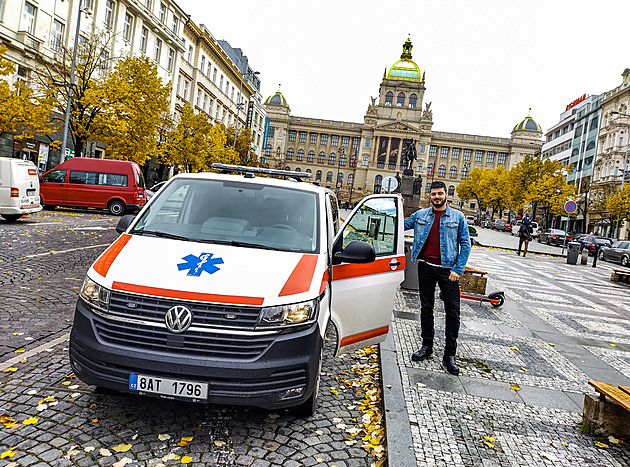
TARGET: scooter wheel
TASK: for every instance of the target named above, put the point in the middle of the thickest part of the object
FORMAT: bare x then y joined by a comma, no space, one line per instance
497,296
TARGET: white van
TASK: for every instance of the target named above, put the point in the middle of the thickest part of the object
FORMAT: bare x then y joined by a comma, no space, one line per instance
221,288
19,188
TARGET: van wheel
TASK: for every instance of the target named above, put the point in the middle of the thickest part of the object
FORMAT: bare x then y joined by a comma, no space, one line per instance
11,217
117,208
307,408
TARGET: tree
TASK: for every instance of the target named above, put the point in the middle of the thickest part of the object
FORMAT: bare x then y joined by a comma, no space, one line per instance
244,142
474,187
133,103
21,110
496,184
618,206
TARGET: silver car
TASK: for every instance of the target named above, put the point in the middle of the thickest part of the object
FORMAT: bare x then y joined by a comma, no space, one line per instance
618,252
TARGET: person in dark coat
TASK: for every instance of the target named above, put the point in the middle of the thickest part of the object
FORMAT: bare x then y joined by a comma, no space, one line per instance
524,236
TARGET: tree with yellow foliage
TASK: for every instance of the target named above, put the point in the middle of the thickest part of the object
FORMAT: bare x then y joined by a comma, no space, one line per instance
244,141
618,206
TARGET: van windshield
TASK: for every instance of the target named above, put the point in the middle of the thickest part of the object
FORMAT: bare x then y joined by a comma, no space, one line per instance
233,212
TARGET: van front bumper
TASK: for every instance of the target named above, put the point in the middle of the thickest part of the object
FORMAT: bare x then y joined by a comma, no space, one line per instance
283,375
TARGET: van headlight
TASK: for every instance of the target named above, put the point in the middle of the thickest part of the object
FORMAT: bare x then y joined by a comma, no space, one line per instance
94,294
294,313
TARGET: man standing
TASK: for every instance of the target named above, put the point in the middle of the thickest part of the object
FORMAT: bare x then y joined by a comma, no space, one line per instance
441,246
524,236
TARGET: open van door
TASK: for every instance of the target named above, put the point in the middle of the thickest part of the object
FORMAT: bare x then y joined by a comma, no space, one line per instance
363,294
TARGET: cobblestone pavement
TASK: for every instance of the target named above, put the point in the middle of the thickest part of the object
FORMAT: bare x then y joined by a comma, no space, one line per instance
61,421
560,326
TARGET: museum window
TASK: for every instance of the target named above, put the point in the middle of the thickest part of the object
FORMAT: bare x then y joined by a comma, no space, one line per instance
268,150
490,157
334,140
478,156
400,101
453,172
427,187
343,159
443,152
318,175
389,98
350,179
287,168
502,158
467,154
292,135
332,158
442,171
367,142
300,155
302,136
297,169
430,168
378,182
329,176
365,161
419,167
311,156
345,141
451,190
271,132
313,138
321,158
421,148
340,178
412,101
355,143
323,139
455,153
433,151
290,154
464,172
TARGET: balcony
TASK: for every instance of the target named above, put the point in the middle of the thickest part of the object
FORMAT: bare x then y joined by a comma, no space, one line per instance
29,41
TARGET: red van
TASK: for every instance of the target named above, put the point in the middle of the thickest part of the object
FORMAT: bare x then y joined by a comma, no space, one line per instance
95,183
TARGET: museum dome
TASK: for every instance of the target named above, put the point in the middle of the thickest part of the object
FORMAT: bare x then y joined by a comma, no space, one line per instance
405,69
528,124
277,99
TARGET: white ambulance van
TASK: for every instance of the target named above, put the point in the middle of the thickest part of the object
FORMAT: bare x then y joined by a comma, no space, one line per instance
19,188
221,288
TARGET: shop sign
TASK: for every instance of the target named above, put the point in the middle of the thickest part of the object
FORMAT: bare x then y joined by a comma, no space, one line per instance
576,101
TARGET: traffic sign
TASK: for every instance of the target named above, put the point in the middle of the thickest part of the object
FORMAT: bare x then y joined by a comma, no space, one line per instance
390,183
570,206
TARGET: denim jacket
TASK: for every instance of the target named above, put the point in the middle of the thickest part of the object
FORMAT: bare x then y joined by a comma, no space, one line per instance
454,238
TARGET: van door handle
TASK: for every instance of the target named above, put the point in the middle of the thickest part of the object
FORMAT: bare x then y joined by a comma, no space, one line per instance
394,264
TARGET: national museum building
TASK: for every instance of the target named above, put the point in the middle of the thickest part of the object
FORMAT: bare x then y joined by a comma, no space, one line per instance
396,133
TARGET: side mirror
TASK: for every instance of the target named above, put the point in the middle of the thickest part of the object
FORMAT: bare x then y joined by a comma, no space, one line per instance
124,222
355,252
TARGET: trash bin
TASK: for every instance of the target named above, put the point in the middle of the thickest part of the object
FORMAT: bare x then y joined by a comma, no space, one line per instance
411,269
573,251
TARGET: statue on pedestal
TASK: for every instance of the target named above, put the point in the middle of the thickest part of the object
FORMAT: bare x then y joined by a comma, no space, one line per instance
417,185
408,156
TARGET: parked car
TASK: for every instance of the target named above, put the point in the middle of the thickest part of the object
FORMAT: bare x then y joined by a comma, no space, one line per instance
96,183
486,224
499,224
552,237
618,252
508,227
154,189
470,220
591,242
19,188
219,290
534,229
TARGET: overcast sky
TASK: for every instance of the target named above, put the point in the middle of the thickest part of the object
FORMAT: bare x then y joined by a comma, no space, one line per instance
486,62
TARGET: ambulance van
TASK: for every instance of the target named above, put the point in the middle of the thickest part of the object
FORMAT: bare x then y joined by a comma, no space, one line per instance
221,288
19,188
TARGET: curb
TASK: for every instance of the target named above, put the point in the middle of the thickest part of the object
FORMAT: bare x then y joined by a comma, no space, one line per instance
556,255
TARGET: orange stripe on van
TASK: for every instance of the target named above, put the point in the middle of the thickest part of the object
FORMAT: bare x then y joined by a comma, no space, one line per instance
324,281
103,263
300,279
363,336
347,271
184,295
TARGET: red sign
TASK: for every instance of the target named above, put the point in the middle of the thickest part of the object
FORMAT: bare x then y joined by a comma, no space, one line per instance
576,101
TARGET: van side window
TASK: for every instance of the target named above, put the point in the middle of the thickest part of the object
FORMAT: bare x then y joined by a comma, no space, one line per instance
334,208
375,222
83,178
56,176
112,179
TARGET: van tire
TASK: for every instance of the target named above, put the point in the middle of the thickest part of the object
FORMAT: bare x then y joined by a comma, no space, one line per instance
116,207
11,217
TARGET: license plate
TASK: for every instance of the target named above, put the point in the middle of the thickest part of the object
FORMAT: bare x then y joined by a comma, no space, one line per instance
168,387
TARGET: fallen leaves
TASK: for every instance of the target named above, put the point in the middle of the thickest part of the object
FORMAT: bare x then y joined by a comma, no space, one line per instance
30,421
10,453
8,370
122,448
614,440
516,387
601,445
7,421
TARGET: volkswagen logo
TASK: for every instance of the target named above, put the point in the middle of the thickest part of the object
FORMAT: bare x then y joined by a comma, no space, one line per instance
178,319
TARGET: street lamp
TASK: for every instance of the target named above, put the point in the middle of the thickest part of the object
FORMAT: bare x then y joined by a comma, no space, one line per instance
238,105
338,171
625,159
66,121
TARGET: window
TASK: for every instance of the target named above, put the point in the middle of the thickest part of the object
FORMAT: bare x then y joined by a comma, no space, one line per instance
158,52
300,156
368,142
292,135
272,132
400,100
478,156
430,168
205,101
214,76
451,190
421,148
321,158
345,141
442,171
198,100
334,140
419,167
171,60
340,178
412,101
290,154
378,182
443,152
144,32
175,26
590,145
389,97
189,59
455,153
593,125
578,131
427,187
350,179
453,172
311,156
464,172
365,161
318,175
433,152
28,18
56,35
332,158
302,136
323,139
127,27
467,154
355,143
185,91
203,63
268,150
490,157
109,13
329,176
313,138
502,157
162,12
343,159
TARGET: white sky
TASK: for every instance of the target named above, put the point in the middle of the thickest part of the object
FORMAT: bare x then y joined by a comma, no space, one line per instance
486,61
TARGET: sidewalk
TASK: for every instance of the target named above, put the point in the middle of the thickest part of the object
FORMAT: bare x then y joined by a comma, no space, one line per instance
524,368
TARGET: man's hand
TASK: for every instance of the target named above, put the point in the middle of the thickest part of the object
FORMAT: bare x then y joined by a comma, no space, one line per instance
454,276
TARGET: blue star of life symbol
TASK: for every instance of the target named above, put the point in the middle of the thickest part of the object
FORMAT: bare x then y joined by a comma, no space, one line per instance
198,264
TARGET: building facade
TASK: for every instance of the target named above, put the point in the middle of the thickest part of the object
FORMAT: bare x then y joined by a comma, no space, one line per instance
396,133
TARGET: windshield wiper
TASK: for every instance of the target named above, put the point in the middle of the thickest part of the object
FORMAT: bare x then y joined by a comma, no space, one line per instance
235,243
161,234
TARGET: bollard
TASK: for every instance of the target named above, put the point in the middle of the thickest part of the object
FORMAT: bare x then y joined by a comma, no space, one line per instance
584,258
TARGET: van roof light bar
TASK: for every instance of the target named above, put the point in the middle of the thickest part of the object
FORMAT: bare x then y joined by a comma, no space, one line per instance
227,168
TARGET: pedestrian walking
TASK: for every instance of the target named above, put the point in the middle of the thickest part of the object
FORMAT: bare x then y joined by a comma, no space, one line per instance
524,236
441,246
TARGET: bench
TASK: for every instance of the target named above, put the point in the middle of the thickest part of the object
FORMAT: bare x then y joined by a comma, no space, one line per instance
610,412
620,275
473,280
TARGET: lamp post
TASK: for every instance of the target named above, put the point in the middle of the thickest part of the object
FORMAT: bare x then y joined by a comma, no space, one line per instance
66,121
625,159
338,171
239,103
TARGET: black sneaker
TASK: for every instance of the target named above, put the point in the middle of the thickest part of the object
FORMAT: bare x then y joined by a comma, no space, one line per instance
451,366
422,354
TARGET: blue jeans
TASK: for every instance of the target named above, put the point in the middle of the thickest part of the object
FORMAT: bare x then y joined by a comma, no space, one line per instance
428,276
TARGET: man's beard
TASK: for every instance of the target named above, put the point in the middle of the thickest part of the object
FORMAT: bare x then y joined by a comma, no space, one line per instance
437,204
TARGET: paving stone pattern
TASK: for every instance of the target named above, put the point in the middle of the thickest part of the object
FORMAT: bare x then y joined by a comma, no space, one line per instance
551,336
41,292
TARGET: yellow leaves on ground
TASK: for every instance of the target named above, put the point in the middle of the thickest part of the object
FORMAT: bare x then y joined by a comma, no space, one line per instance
186,460
122,462
10,453
601,445
30,421
185,440
514,348
8,370
613,345
7,421
488,441
122,448
614,440
104,452
516,387
19,351
524,369
219,443
94,420
164,437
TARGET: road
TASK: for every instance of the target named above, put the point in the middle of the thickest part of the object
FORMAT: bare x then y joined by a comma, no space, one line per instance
43,261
